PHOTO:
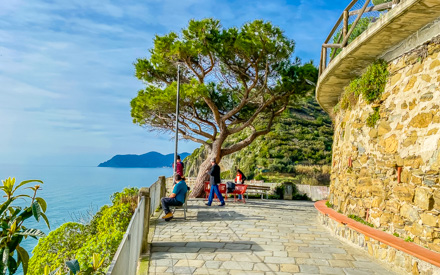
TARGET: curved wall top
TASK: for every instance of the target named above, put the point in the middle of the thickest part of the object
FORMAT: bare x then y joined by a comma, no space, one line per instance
386,34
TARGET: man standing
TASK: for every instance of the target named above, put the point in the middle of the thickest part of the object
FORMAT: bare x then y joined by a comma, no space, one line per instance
214,180
177,198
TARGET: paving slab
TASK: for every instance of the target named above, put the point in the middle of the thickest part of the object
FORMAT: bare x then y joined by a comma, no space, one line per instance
259,237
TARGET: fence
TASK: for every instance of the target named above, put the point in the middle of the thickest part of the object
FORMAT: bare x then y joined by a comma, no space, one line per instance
355,19
135,240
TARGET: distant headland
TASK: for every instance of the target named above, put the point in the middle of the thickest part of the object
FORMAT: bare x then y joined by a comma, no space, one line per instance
148,160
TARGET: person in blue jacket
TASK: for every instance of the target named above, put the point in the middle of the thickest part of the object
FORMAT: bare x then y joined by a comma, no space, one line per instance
177,198
214,180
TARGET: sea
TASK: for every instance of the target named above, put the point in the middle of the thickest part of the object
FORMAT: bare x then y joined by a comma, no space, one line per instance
75,193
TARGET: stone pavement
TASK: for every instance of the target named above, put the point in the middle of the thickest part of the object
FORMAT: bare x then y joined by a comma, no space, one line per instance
259,237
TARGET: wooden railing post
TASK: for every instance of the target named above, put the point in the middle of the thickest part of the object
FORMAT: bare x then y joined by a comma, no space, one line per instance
345,24
145,192
163,186
324,58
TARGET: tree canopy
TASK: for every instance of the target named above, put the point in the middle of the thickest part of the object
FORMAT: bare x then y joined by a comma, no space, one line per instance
232,79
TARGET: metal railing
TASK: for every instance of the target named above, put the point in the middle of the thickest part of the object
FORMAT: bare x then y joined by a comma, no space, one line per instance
348,26
126,258
135,240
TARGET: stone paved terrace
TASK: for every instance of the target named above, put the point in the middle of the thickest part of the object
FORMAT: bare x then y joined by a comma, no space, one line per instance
259,237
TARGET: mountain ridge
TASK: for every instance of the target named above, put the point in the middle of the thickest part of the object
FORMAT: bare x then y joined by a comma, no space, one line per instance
151,159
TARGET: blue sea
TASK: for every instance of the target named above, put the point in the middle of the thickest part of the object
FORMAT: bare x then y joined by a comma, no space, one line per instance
73,193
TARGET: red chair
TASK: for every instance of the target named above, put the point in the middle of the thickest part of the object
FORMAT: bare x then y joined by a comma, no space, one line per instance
221,188
240,189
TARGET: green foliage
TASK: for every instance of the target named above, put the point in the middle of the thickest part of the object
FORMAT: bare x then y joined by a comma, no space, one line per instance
378,2
370,85
328,204
359,219
409,239
279,191
395,234
13,230
74,241
234,83
360,27
373,118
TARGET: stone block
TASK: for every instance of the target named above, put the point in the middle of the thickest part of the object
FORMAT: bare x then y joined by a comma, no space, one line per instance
436,197
385,219
373,133
383,128
434,64
409,141
427,78
421,120
404,193
409,212
389,145
395,78
413,161
424,198
411,83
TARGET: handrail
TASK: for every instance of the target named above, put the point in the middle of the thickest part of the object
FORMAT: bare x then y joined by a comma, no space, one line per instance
343,39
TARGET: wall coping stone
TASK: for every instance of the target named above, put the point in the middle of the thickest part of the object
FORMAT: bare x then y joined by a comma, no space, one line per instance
398,243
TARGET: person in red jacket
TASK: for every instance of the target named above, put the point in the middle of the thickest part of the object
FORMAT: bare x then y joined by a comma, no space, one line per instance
179,166
239,179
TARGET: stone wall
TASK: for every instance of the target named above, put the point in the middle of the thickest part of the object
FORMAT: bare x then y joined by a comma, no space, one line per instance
399,261
366,161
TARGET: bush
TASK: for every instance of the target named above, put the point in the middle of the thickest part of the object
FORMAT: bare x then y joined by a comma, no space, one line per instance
77,241
373,118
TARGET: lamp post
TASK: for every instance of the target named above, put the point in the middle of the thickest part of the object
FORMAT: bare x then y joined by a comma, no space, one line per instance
177,118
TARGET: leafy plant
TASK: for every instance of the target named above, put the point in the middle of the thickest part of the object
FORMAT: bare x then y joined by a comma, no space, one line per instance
409,239
13,230
373,118
328,204
395,234
370,85
359,219
77,243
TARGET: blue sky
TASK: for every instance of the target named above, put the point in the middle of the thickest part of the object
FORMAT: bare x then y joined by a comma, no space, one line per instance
67,74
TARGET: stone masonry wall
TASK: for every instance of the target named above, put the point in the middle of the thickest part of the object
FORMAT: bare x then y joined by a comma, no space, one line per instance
366,160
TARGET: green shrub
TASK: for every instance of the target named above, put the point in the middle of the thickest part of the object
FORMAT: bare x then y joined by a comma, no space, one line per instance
373,118
359,219
370,85
76,241
328,204
57,247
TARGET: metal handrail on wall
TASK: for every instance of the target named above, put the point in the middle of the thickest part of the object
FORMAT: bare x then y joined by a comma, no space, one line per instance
135,241
342,40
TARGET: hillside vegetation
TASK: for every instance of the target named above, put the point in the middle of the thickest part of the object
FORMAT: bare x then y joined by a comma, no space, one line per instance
298,149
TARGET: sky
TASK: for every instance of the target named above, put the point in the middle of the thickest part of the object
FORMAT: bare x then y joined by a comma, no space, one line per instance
67,74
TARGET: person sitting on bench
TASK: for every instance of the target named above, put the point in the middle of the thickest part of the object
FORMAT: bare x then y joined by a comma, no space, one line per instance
239,179
177,198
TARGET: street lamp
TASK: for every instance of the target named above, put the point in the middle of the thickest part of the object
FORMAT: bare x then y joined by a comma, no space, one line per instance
177,118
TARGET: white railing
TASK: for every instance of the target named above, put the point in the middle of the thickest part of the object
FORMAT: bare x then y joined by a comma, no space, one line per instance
135,241
126,259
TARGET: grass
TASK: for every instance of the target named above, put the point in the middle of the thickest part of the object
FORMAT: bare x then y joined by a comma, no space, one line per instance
329,205
359,219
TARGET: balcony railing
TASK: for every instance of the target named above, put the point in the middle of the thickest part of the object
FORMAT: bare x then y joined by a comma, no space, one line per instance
355,19
135,240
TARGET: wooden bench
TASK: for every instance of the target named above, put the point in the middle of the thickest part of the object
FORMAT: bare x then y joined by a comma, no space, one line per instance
259,189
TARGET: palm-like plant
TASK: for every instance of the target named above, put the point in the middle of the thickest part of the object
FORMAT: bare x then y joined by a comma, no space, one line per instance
12,230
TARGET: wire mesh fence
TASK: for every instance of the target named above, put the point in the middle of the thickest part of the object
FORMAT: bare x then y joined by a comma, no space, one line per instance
349,23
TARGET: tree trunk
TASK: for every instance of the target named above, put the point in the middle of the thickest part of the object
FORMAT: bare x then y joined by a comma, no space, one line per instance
202,176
